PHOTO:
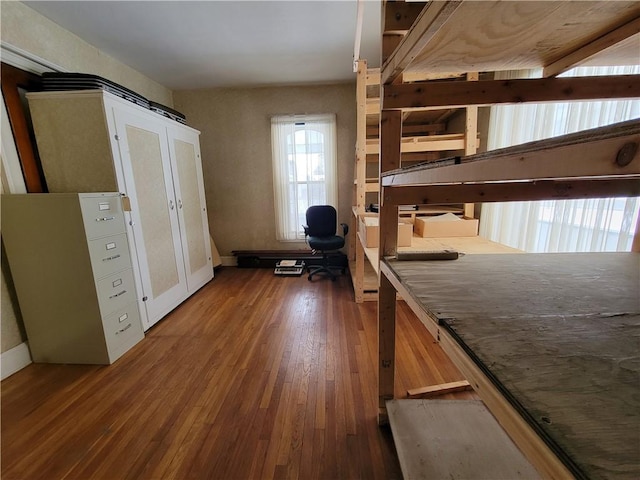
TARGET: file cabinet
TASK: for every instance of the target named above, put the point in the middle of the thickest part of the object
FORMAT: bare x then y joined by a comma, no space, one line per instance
70,261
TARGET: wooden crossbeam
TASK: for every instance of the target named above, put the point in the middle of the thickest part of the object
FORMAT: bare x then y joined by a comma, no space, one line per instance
522,90
605,41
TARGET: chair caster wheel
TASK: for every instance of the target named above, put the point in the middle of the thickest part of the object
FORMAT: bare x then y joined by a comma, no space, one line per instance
309,278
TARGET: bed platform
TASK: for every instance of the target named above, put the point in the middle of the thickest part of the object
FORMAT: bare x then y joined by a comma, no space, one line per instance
563,347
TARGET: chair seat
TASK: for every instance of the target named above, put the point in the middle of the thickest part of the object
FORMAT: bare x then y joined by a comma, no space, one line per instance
333,242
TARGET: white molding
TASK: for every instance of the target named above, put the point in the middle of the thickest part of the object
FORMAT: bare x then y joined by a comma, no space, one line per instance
14,360
229,261
24,60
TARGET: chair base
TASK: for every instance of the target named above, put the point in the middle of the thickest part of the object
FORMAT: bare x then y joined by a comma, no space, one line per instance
324,270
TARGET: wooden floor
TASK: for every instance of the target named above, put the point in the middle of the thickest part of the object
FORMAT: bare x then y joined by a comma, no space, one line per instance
255,376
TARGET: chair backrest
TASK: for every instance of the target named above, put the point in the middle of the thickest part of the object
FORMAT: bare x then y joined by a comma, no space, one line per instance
322,220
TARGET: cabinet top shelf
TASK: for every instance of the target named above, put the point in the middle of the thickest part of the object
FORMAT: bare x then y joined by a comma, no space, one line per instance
510,35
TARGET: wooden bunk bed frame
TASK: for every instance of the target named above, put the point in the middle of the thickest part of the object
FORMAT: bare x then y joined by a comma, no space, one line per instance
462,302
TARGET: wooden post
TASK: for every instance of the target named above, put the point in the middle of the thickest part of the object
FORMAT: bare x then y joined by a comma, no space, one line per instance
471,138
390,138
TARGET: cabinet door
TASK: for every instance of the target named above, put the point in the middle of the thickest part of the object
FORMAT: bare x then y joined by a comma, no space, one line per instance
186,165
146,166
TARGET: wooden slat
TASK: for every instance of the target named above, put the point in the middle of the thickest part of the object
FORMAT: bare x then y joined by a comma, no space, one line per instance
493,92
512,192
431,143
441,389
584,154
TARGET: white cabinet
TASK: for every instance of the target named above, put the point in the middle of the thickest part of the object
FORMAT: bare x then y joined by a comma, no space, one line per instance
70,262
94,141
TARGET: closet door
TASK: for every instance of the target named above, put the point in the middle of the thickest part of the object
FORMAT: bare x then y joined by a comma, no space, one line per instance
146,166
188,182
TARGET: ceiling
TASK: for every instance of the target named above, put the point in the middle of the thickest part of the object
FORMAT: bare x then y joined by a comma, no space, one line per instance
202,44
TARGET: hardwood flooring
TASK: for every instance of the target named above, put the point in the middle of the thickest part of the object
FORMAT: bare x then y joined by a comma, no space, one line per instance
255,376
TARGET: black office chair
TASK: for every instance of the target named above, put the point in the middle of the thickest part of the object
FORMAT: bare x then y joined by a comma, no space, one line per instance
321,232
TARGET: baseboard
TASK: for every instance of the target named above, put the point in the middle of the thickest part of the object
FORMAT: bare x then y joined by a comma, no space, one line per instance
14,360
229,261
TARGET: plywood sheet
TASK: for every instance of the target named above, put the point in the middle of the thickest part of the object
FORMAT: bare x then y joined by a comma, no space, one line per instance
559,335
453,439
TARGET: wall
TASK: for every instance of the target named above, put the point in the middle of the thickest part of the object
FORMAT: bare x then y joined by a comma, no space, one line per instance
236,154
26,29
31,32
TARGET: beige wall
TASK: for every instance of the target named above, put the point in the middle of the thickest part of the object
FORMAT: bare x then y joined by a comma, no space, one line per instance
236,155
26,29
31,32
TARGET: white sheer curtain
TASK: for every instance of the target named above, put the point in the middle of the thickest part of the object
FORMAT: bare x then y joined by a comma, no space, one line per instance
304,169
560,225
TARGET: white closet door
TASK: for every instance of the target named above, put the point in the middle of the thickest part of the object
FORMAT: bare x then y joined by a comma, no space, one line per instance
146,167
188,182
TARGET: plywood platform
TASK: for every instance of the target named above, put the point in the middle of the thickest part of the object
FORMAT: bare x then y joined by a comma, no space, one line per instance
558,335
453,439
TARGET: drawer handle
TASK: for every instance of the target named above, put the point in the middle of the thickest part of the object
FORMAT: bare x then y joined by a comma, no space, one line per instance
104,219
111,258
124,329
118,294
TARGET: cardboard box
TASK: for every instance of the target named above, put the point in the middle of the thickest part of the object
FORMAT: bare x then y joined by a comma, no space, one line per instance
447,225
369,231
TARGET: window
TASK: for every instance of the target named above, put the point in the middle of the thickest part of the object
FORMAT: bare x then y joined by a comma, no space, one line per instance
594,225
304,169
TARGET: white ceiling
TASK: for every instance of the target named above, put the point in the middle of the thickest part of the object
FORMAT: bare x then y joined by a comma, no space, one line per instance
201,44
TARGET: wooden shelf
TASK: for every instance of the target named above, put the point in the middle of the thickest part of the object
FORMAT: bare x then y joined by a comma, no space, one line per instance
508,296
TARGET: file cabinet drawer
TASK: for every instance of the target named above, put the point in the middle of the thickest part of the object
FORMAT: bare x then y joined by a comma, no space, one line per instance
102,215
116,291
109,255
123,329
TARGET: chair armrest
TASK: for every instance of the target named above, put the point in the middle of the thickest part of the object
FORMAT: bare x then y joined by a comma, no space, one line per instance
345,229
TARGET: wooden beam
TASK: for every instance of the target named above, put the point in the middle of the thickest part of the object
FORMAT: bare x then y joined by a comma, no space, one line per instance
601,43
611,151
511,192
432,17
399,16
429,143
441,389
361,135
491,92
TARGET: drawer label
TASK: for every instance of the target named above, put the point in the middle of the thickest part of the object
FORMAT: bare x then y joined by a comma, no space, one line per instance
111,245
104,206
117,283
123,317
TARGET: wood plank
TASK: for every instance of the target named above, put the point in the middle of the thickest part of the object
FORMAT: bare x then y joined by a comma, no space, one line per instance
454,439
590,153
581,54
515,91
429,143
498,35
441,389
509,192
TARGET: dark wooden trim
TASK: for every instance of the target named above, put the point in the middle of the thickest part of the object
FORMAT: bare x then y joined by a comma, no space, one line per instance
12,80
